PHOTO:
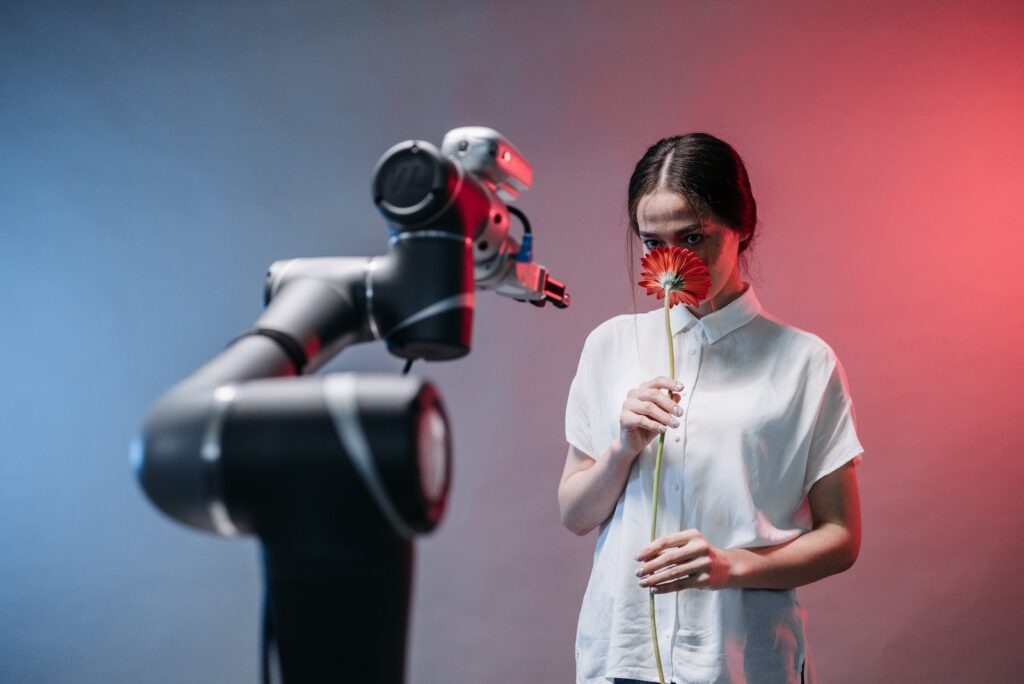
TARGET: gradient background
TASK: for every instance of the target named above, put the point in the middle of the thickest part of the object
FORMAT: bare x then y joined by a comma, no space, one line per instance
156,157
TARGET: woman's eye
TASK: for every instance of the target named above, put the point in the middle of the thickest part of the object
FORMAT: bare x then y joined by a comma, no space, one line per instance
651,243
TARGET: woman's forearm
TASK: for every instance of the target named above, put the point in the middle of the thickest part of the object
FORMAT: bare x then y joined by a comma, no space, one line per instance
587,498
826,550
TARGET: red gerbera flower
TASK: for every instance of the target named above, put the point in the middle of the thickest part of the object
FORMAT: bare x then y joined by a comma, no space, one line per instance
677,271
686,279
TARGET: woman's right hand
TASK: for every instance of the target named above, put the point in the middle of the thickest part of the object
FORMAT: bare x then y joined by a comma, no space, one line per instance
646,413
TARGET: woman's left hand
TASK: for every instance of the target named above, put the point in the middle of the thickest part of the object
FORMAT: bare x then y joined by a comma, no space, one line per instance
683,560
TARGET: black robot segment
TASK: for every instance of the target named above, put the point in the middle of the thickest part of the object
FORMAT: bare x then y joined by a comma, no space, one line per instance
336,474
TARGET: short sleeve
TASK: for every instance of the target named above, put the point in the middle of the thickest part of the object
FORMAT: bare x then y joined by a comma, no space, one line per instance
578,410
834,438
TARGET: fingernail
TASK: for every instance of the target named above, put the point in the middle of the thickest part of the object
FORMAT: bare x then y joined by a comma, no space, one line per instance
662,428
640,571
679,385
678,410
674,422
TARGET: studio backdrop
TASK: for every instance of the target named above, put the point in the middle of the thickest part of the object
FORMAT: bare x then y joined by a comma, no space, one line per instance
156,158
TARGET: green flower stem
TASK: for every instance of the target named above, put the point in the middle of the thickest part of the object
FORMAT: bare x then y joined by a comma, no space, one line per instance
657,478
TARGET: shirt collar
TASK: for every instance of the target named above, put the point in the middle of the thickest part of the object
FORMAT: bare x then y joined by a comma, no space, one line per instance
720,323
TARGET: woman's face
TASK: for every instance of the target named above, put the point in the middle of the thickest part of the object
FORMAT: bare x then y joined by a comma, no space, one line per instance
666,218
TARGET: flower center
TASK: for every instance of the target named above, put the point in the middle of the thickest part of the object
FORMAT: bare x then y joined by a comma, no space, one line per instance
670,280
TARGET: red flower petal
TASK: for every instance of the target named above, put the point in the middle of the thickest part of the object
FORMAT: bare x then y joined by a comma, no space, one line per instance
692,276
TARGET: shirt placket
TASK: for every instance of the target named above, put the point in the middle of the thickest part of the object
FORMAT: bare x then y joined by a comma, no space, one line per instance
689,353
688,359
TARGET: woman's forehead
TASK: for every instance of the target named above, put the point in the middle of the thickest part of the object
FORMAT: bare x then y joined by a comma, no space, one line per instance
664,210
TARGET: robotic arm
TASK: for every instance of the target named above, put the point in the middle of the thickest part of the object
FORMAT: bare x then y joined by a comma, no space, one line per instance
336,474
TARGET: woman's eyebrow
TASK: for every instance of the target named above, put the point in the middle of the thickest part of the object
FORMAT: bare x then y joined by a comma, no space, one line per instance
677,231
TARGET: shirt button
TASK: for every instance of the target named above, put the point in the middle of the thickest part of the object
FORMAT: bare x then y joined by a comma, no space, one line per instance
675,488
677,438
692,352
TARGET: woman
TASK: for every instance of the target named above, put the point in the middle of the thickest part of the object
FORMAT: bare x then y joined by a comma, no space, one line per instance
758,492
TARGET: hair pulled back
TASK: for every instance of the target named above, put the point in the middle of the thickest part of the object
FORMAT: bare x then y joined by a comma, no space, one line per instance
705,170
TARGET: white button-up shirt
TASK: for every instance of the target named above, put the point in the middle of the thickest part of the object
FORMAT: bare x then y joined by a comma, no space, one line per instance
766,413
